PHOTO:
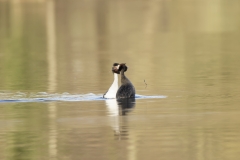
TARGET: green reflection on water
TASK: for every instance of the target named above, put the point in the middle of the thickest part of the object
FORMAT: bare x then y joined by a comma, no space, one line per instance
23,48
25,130
187,50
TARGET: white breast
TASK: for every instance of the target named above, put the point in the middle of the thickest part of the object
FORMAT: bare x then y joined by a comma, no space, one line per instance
111,93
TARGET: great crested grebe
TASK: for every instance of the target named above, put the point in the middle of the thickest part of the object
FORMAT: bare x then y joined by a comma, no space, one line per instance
111,93
127,89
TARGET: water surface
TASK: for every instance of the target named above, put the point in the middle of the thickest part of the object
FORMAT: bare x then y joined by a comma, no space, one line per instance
55,63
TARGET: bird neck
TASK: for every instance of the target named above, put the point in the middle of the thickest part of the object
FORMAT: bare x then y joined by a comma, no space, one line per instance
115,78
124,79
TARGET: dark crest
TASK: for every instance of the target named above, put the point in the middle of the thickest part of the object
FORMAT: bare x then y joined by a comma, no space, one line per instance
118,67
123,66
115,64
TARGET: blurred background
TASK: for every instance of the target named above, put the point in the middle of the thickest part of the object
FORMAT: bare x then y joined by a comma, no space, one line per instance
187,50
71,45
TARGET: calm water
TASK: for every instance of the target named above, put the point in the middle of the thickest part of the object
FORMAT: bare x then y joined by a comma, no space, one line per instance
186,51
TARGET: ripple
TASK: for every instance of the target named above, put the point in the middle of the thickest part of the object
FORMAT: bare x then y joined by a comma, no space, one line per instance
46,97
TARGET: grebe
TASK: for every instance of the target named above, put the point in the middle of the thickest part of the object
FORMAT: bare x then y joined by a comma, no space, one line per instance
127,89
111,93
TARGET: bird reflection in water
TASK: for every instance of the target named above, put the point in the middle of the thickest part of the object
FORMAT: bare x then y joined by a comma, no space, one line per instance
118,110
126,105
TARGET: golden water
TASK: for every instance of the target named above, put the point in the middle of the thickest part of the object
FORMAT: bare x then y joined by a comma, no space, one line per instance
186,50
